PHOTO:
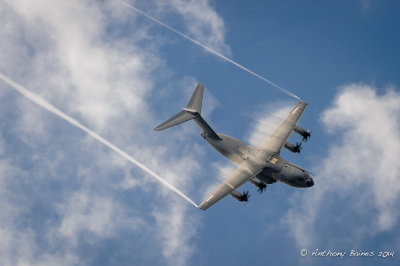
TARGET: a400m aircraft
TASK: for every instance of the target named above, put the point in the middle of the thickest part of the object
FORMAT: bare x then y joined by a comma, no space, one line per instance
260,165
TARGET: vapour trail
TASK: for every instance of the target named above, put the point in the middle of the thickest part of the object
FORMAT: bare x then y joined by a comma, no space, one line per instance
208,48
51,108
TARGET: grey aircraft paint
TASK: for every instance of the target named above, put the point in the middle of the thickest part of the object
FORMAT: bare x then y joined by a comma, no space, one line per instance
260,165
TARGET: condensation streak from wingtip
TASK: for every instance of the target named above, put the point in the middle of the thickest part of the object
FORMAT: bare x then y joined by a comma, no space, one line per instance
208,48
51,108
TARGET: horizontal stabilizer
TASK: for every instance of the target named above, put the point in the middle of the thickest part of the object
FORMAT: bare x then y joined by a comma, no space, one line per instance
181,117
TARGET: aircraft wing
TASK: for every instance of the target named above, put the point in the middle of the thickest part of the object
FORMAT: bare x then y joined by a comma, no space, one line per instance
238,177
277,139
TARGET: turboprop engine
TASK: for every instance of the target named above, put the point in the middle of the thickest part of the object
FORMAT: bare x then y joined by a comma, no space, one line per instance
239,196
293,148
306,134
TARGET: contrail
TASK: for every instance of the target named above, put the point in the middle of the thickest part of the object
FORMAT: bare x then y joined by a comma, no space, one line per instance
51,108
207,48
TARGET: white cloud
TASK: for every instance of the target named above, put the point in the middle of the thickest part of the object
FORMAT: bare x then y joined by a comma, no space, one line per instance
178,230
74,55
18,245
77,65
203,22
266,120
18,248
359,178
86,213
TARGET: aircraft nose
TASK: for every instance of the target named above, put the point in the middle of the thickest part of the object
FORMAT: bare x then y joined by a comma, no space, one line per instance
310,182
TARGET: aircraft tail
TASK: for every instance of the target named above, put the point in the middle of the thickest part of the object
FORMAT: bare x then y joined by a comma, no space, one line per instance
192,110
196,101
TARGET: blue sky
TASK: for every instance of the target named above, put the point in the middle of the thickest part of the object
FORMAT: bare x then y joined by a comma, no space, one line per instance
66,199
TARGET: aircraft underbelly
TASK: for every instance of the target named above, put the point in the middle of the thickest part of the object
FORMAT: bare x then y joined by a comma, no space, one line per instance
231,148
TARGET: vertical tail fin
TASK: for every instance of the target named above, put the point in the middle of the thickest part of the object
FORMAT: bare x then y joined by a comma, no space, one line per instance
192,110
196,100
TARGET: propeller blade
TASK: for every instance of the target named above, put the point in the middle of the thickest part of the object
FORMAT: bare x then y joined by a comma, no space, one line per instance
261,188
246,195
307,135
298,147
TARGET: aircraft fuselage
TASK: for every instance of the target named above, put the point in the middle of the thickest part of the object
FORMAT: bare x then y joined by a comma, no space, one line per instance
275,168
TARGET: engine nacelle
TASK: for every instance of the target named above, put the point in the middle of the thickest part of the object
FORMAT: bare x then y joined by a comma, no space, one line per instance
293,148
302,132
239,196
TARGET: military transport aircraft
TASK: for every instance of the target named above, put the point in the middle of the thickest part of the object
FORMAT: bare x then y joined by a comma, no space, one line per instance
260,165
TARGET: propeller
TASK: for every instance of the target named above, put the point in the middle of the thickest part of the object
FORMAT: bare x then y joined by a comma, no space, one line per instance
245,196
306,135
298,147
261,188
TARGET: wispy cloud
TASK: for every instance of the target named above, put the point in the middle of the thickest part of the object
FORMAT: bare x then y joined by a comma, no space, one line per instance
266,120
202,21
181,229
359,176
365,4
74,55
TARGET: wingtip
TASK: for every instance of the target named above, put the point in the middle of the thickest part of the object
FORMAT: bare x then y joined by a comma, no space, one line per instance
303,102
201,208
